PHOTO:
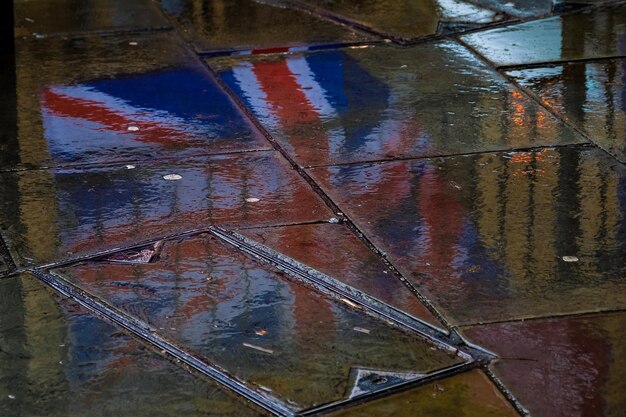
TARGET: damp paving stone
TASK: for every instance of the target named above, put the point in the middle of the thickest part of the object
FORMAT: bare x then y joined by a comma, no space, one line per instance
335,251
585,35
470,395
104,99
58,360
521,8
68,212
47,17
590,95
283,339
386,102
485,236
254,25
411,19
561,367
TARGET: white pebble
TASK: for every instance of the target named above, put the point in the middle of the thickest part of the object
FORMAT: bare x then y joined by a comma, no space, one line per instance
252,200
172,177
570,258
133,128
130,167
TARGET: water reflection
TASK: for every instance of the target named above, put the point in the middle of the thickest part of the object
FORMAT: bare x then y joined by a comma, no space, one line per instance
564,367
77,16
109,99
485,235
382,102
470,394
591,95
58,213
410,19
278,335
57,360
252,24
352,262
591,34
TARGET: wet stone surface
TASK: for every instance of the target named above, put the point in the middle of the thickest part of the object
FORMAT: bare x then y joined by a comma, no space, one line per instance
117,99
363,104
497,236
58,360
284,339
55,214
46,17
571,366
591,95
257,25
334,250
411,19
589,34
469,395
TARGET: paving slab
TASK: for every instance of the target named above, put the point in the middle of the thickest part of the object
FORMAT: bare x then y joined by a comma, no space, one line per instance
334,250
588,94
133,97
58,360
412,19
49,215
562,367
48,17
470,395
386,102
497,236
254,25
285,340
585,35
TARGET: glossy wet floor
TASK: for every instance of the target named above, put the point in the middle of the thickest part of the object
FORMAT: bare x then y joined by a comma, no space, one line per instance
303,207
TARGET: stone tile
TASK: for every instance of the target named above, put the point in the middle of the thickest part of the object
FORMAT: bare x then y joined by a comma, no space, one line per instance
591,95
282,338
569,366
521,8
334,250
46,17
59,213
58,360
385,102
585,35
105,99
411,19
470,395
486,235
248,24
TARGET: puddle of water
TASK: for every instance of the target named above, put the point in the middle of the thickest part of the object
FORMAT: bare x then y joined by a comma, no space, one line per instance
337,252
249,24
470,395
561,367
485,235
591,34
60,213
590,95
375,103
282,338
408,19
57,360
101,100
44,17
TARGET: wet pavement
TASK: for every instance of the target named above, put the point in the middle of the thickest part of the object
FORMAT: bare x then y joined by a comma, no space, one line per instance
313,207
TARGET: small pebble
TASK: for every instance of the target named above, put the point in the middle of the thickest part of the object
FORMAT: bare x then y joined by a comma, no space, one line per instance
130,167
133,128
132,43
333,220
252,200
11,396
172,177
570,258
